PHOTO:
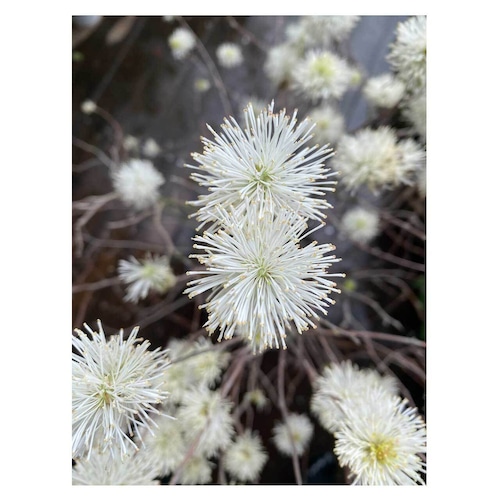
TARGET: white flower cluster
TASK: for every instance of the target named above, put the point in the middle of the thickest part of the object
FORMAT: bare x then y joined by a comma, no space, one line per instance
182,42
307,62
377,436
137,183
202,426
117,385
375,158
152,273
264,185
293,434
384,91
360,224
229,55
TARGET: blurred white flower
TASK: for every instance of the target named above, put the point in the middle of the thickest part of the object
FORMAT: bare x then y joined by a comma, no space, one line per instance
104,468
181,41
245,457
360,224
280,62
137,183
229,55
422,182
377,159
329,124
201,85
414,110
321,74
293,434
261,280
167,446
151,148
384,91
343,381
130,143
325,30
197,470
267,163
116,386
257,398
408,53
152,273
88,107
380,440
207,414
193,365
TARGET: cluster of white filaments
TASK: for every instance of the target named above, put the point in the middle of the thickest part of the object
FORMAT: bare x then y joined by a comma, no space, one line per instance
267,162
264,184
381,440
117,385
262,280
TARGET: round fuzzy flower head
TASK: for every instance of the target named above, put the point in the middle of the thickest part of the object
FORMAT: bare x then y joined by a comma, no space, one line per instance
266,163
151,273
229,55
321,75
280,63
329,124
137,183
381,441
104,468
408,54
377,159
293,435
360,224
414,110
341,382
384,91
245,457
117,383
207,414
262,282
181,42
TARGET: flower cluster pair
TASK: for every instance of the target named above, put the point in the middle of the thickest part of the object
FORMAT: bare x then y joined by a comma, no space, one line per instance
264,184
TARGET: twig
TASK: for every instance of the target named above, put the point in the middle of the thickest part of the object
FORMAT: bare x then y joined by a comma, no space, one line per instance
284,412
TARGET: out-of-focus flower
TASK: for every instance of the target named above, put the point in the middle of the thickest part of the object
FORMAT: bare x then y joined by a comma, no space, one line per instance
414,110
151,148
105,468
422,183
197,470
152,273
229,55
261,280
293,434
167,446
321,74
380,440
408,53
245,457
207,415
257,398
88,107
326,30
137,183
87,21
360,224
201,85
376,158
131,143
181,41
384,91
345,381
267,163
329,124
116,386
280,62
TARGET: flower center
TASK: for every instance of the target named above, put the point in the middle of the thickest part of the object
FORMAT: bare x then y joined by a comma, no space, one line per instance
382,451
322,67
